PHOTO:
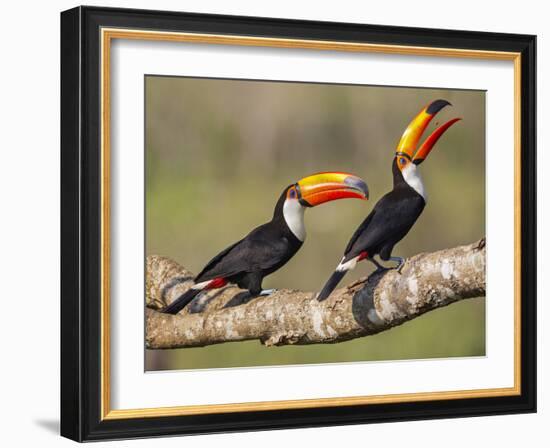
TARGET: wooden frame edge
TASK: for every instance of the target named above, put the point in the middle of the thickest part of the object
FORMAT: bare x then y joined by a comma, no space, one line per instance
172,411
107,35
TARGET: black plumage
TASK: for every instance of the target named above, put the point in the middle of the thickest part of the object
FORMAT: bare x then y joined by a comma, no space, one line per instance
389,221
396,212
260,253
181,302
246,262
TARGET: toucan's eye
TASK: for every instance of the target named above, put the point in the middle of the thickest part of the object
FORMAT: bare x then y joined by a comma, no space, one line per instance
292,193
402,161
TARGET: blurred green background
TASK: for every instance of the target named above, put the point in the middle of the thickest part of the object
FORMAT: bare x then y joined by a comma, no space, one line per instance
220,152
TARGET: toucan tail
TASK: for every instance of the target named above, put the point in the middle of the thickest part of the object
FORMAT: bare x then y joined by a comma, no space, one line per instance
177,305
331,284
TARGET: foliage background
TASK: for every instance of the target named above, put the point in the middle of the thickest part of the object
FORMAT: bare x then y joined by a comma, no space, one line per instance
219,153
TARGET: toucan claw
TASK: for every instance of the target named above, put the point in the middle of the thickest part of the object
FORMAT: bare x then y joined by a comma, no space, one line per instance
379,267
400,263
267,292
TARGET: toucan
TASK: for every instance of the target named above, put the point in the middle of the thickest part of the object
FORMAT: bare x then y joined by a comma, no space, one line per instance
396,212
269,246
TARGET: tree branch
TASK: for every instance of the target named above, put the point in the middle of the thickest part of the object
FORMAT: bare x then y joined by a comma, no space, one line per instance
366,307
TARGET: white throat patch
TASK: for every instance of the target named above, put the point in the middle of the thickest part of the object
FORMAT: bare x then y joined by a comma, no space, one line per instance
412,176
293,213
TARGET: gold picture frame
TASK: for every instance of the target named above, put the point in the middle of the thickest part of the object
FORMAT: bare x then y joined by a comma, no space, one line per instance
106,32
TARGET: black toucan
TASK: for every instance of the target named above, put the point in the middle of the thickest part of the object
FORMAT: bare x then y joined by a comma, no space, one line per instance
269,246
396,212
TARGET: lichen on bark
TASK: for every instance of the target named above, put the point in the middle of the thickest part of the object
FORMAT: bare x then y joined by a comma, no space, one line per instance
365,307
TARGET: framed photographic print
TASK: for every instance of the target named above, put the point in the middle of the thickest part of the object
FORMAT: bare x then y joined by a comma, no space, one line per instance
274,224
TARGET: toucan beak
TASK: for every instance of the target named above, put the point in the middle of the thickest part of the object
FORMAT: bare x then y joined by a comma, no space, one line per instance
409,141
324,187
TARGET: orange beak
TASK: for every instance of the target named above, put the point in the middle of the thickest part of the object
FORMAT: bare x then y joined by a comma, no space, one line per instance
409,141
324,187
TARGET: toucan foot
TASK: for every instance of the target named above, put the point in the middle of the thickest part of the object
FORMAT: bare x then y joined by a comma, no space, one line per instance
400,263
379,267
267,292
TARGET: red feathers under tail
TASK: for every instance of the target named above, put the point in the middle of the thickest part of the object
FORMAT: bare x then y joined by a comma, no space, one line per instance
182,301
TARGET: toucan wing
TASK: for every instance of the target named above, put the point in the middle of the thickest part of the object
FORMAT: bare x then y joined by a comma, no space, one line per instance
392,217
258,251
364,225
210,267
